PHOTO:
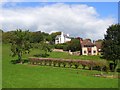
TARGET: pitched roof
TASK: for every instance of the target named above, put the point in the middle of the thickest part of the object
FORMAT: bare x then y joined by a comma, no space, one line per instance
86,43
98,45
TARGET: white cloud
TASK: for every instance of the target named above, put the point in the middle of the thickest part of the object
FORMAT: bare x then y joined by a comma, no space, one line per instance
77,20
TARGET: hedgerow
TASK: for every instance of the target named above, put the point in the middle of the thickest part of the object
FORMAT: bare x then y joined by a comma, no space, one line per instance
100,65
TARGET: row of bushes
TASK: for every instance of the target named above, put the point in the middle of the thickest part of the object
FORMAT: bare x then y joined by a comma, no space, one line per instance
99,65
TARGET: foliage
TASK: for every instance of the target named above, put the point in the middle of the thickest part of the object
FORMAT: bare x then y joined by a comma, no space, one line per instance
43,47
53,35
20,44
7,37
111,44
76,63
73,45
1,32
46,47
60,46
37,37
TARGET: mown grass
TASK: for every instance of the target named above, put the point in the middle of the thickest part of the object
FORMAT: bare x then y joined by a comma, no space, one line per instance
66,55
32,76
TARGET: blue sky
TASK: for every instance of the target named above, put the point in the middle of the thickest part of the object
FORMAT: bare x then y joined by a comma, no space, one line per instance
83,19
105,9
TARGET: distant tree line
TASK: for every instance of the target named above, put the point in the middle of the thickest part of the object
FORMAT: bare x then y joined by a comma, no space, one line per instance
35,37
22,41
39,37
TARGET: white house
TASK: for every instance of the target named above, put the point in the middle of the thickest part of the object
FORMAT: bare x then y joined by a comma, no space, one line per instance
62,38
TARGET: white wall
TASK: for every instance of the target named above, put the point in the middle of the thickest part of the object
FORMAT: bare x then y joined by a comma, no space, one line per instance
84,49
67,39
94,49
62,39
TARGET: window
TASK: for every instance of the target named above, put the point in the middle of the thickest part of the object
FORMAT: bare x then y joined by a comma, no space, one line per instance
84,51
94,51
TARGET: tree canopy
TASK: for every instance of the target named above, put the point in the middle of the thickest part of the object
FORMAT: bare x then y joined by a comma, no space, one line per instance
20,44
111,44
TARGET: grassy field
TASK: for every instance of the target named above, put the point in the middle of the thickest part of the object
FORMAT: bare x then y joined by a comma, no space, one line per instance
31,76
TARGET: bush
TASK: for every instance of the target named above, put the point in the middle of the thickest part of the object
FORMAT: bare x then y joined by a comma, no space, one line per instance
70,63
76,64
64,63
59,46
99,65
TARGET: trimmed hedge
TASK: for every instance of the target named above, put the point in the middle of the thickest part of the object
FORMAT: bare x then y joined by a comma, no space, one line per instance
100,65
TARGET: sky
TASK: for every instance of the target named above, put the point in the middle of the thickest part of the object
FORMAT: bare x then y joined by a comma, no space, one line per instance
78,19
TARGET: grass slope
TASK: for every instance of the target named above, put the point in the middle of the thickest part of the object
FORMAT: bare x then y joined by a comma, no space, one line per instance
29,76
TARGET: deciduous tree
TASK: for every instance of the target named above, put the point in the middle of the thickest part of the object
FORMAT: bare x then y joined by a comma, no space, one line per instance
20,44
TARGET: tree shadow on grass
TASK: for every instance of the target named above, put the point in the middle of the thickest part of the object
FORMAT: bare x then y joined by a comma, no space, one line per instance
41,55
17,61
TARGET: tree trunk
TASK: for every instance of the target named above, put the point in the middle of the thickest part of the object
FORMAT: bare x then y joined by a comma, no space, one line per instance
115,66
101,70
20,57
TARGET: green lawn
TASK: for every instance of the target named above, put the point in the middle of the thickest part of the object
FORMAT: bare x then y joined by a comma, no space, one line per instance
31,76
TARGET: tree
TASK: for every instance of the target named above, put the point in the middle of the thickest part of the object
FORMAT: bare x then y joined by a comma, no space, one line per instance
1,32
7,36
36,37
20,44
46,47
111,44
53,35
73,45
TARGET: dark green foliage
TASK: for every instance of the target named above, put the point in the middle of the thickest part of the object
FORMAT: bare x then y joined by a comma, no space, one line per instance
111,44
35,37
7,37
20,44
73,45
60,46
53,35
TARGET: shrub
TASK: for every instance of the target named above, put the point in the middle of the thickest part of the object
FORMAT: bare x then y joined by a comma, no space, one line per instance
76,64
59,46
59,63
70,63
64,63
50,62
99,65
54,62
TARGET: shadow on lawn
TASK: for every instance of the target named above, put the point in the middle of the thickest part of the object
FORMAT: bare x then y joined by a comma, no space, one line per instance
17,61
